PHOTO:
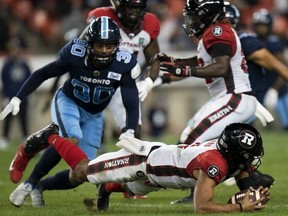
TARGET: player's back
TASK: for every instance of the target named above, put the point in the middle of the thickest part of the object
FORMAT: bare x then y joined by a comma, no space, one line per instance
172,166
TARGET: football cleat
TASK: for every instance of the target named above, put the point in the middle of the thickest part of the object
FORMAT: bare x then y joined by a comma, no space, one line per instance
185,200
103,198
17,197
260,179
39,140
19,164
37,198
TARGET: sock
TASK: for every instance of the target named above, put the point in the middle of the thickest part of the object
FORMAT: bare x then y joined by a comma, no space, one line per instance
114,187
71,153
60,181
48,160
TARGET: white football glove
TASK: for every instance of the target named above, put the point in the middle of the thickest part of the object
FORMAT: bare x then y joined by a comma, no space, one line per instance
144,87
158,82
129,132
13,107
271,98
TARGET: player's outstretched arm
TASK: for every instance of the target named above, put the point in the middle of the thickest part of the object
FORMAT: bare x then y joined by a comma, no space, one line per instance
204,193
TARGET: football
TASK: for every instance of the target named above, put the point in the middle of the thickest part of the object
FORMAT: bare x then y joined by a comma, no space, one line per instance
253,195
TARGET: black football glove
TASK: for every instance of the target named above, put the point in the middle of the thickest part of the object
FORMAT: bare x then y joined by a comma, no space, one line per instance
162,57
172,68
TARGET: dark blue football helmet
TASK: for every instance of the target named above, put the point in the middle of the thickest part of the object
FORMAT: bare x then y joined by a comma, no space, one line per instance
103,30
199,15
242,146
130,12
232,14
262,17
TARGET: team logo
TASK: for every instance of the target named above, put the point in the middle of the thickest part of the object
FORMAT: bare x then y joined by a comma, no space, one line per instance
96,73
213,171
141,41
140,174
115,76
217,31
247,139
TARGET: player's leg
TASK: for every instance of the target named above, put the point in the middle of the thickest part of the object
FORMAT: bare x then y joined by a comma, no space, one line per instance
91,129
119,113
18,196
86,130
212,118
113,175
282,110
24,121
60,106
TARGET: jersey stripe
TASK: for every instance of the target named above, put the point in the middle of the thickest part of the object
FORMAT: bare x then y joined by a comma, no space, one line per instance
206,123
115,163
104,28
167,170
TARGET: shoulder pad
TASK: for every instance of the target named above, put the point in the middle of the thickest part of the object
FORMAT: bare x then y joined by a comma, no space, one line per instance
135,72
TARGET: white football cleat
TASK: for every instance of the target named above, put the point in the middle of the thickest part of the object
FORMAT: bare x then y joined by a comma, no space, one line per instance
37,198
18,196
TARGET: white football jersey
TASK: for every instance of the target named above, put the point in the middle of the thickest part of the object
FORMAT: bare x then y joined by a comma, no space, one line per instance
237,80
172,166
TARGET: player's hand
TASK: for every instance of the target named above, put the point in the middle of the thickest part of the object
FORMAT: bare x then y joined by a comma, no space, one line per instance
271,98
162,57
13,107
144,87
129,133
249,205
172,68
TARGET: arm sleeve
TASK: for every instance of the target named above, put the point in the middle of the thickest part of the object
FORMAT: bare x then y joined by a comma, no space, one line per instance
130,99
53,69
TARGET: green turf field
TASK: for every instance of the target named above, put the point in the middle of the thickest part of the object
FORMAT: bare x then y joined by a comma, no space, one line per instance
70,202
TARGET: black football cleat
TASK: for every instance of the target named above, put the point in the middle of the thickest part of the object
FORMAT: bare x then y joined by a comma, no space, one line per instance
185,200
39,140
103,198
260,179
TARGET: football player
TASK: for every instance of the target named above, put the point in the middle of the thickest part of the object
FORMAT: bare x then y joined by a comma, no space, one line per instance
203,166
221,63
139,30
97,67
272,85
260,61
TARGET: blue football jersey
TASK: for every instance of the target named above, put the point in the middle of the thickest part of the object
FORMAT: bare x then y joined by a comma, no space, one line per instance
90,88
257,74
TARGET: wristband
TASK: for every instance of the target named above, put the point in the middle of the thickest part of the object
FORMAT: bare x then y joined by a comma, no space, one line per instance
192,71
241,207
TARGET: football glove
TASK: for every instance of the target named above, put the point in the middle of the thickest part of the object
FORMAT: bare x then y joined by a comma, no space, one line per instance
162,57
129,132
172,68
161,80
13,107
144,87
271,98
